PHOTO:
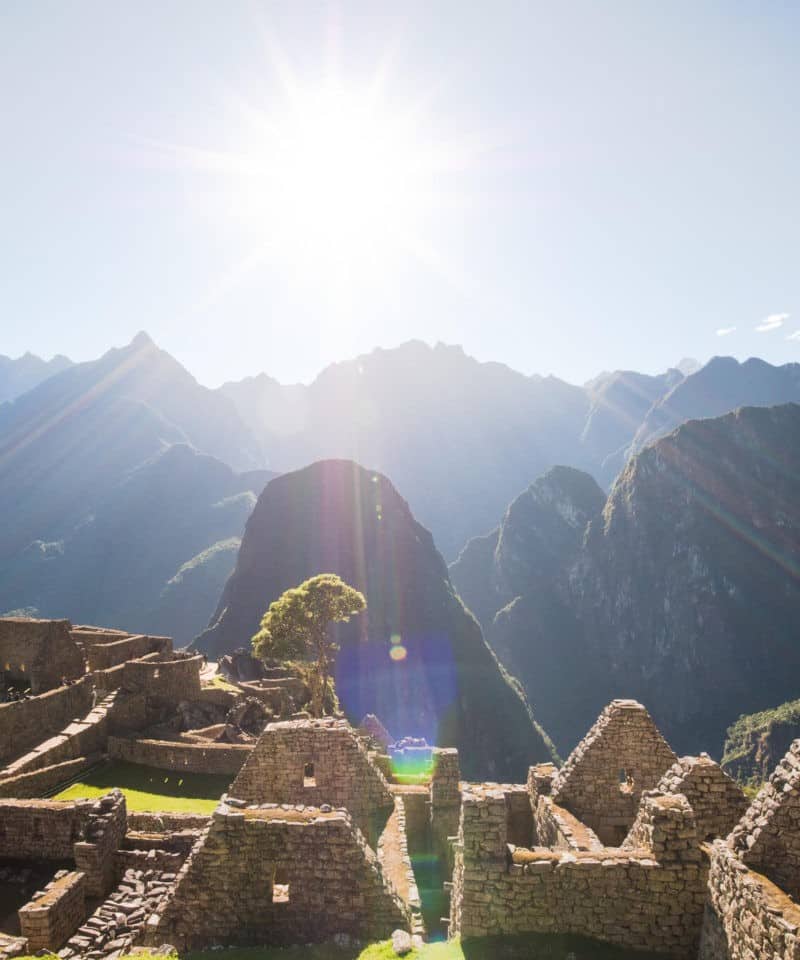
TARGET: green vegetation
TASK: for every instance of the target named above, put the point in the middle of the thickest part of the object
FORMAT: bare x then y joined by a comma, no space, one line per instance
150,789
757,741
529,947
221,683
297,625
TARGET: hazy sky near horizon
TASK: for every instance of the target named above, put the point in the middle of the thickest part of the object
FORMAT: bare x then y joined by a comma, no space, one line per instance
564,187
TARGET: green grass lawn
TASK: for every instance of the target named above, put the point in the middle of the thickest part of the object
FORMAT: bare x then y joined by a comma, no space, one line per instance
529,947
150,789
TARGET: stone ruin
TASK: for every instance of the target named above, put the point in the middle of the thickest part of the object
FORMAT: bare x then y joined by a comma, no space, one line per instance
316,838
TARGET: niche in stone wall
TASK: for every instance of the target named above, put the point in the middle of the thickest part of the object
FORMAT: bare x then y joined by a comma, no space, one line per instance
627,784
280,886
309,776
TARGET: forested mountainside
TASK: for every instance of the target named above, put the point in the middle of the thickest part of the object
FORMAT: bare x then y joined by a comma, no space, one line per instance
755,744
682,591
20,374
442,682
101,509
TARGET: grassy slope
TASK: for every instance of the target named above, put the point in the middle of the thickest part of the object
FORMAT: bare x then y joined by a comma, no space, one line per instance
147,788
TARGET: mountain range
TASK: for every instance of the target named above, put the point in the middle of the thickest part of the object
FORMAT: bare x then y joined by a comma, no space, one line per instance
125,487
680,589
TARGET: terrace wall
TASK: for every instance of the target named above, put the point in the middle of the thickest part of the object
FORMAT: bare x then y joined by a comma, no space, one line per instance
103,656
40,782
217,758
267,875
80,738
25,723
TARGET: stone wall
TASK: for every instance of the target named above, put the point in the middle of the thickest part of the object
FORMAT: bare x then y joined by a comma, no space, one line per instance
717,800
41,829
40,654
767,838
620,758
102,837
103,656
53,915
219,758
747,917
314,762
171,678
38,783
557,828
273,875
648,897
80,738
25,723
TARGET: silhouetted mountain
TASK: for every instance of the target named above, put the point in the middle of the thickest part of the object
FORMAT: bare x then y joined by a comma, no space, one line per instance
541,533
459,437
19,375
80,440
620,401
719,387
152,556
444,682
684,593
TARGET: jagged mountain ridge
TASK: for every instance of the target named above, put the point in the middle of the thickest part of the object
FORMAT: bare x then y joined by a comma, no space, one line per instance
73,448
335,516
20,374
683,592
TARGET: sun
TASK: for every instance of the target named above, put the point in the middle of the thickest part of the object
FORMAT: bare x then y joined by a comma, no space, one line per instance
340,173
339,185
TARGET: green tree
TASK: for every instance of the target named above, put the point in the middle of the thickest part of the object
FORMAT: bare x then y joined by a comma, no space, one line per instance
297,625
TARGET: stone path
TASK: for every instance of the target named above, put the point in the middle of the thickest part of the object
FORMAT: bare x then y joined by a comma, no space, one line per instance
116,924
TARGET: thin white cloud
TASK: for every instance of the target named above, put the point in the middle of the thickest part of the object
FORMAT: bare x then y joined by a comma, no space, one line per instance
724,331
794,336
772,322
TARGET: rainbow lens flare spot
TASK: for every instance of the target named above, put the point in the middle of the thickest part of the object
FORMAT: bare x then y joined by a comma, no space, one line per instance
398,652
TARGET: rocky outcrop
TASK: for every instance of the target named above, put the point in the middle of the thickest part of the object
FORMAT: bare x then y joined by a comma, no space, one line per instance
539,538
684,592
415,657
757,741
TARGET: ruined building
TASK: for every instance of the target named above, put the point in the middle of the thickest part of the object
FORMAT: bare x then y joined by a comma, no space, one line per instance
316,835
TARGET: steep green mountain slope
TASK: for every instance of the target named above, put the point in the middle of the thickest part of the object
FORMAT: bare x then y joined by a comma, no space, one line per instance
683,593
757,742
416,658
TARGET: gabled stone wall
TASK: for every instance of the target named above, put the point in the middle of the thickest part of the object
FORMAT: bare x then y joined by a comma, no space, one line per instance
314,762
620,758
717,800
278,875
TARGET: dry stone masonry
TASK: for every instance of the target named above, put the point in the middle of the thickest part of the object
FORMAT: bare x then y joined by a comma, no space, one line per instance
626,843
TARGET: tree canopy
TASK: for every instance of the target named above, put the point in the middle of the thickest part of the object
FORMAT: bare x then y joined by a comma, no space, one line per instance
297,626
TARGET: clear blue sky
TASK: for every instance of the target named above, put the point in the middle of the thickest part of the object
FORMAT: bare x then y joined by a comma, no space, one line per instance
621,181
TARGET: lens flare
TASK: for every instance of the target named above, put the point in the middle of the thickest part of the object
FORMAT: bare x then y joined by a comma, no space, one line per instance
398,652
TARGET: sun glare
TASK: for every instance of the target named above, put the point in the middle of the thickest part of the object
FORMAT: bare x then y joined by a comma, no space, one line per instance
337,178
339,185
